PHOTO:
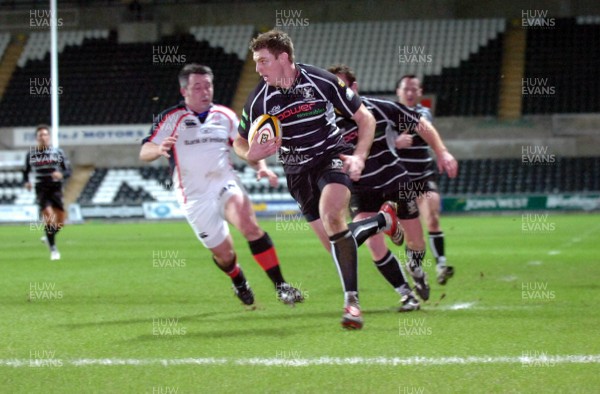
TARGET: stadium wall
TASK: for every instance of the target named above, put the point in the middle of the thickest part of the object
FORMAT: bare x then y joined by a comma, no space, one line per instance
565,135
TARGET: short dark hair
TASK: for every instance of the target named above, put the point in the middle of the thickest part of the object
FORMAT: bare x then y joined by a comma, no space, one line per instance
41,126
407,76
193,68
276,41
344,70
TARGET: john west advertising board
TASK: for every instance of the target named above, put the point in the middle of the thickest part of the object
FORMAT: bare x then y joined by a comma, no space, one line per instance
562,202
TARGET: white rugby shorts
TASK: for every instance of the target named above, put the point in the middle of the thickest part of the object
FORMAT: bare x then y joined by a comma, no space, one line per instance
207,215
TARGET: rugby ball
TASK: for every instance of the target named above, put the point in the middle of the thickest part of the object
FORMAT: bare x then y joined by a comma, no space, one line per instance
267,127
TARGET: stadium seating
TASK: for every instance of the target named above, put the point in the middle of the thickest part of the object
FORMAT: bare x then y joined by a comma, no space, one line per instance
12,190
38,44
477,177
471,89
137,185
126,186
104,82
512,176
459,60
564,63
233,39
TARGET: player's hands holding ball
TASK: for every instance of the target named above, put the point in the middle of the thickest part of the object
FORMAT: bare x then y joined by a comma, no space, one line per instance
261,150
264,137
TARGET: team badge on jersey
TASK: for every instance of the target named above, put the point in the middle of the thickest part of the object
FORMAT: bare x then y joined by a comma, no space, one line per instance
308,93
275,109
336,164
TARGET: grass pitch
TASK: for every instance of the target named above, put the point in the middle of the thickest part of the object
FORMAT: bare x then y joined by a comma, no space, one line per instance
141,308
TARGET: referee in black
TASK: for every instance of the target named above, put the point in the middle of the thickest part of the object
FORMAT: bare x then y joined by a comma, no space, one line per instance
50,169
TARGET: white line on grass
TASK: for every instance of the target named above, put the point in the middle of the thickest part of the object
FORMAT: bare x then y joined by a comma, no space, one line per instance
461,306
580,237
306,362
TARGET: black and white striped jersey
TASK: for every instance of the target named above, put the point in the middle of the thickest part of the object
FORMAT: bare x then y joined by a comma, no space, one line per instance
42,162
383,169
306,111
417,158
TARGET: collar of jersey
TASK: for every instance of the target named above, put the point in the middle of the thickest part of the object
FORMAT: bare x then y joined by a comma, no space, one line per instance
200,115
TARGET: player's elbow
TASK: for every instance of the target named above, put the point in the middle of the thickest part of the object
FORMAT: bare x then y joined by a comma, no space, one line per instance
148,152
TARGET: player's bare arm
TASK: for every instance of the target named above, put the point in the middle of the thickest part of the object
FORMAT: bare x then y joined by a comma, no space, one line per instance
355,163
151,151
242,149
446,162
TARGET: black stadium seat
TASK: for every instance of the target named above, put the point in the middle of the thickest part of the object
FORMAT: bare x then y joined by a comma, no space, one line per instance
512,176
104,82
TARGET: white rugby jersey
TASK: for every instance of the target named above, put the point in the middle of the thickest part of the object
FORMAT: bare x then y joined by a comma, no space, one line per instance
200,159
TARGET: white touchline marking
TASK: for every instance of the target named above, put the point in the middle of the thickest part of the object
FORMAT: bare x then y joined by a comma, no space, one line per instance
471,306
570,242
464,305
305,362
535,263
